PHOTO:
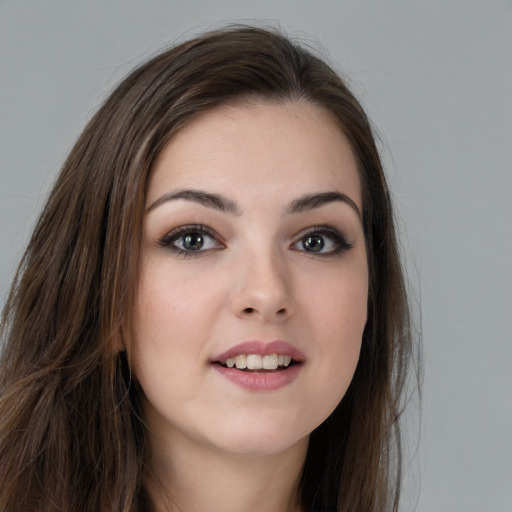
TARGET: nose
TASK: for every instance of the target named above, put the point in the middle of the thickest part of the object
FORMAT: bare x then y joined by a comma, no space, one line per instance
263,288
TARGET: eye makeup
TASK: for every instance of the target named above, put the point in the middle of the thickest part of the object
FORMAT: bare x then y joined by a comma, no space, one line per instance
191,240
323,240
197,239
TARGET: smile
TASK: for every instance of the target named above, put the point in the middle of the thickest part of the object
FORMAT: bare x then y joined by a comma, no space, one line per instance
258,362
257,366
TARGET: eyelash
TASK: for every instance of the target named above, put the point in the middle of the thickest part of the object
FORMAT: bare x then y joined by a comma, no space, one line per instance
170,239
339,240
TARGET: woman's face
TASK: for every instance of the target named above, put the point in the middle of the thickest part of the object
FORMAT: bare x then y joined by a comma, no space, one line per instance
253,254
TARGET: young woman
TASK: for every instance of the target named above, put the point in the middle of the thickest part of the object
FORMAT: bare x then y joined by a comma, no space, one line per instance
211,313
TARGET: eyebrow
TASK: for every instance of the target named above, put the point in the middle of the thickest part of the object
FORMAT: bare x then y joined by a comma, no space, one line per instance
304,203
311,201
207,199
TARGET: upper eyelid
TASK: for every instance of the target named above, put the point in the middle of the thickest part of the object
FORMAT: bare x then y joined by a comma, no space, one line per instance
339,236
189,228
322,228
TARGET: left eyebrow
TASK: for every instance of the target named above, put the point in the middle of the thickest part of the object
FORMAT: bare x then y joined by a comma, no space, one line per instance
311,201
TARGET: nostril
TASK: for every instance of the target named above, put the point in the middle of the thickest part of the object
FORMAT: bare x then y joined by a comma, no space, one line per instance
280,312
264,313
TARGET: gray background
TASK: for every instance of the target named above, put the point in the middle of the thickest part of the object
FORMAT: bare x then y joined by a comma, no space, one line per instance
435,77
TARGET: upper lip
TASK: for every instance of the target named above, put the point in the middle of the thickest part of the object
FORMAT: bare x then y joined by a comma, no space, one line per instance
278,347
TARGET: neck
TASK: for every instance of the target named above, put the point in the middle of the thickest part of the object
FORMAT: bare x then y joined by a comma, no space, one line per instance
191,478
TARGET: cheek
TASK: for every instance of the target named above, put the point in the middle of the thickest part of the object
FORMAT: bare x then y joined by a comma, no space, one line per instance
338,313
340,335
339,304
171,324
172,305
171,317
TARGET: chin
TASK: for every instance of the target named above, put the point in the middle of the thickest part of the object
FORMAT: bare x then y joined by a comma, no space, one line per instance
262,447
261,437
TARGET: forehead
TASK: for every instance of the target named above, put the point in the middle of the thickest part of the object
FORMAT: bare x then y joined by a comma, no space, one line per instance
275,149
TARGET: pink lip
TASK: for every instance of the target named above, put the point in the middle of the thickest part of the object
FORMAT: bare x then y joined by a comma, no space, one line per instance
256,381
258,347
260,380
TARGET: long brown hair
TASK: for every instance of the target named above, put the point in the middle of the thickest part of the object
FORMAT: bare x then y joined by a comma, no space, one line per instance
71,434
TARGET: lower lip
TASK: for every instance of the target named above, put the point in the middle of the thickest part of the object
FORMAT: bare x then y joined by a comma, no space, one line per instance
254,381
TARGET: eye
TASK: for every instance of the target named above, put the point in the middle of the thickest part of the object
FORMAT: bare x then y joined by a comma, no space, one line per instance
191,240
322,240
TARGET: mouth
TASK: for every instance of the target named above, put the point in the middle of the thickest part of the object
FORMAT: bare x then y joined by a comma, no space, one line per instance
258,366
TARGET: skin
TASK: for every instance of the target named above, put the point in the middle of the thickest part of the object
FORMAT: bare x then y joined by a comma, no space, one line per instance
217,446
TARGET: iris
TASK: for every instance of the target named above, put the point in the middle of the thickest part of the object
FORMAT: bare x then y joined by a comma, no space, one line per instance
313,243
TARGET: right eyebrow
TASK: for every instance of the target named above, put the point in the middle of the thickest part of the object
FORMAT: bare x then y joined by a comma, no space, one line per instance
207,199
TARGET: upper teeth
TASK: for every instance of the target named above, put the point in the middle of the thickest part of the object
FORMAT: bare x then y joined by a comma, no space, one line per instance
258,362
